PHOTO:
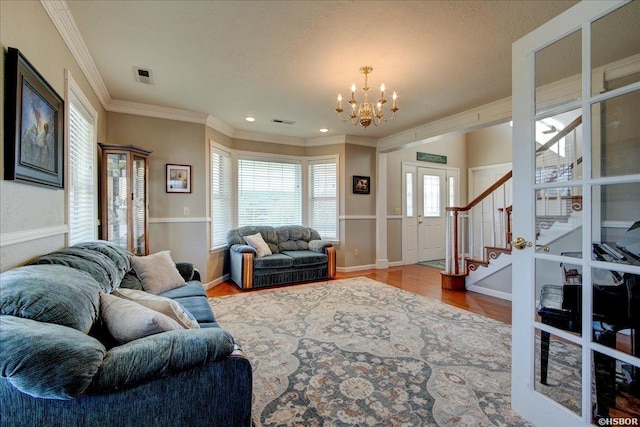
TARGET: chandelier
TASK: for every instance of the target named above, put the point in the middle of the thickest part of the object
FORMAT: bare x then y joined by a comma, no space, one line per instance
366,112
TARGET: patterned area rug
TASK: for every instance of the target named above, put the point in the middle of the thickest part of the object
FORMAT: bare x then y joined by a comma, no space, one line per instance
358,352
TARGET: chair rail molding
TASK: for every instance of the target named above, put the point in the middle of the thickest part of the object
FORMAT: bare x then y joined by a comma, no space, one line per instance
24,236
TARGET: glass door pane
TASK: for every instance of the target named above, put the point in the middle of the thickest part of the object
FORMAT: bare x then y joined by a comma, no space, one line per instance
117,200
614,49
558,74
139,205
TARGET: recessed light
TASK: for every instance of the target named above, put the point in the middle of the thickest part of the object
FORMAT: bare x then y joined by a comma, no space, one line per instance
324,130
250,119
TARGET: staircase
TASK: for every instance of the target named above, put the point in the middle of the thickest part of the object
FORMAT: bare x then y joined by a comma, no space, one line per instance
478,235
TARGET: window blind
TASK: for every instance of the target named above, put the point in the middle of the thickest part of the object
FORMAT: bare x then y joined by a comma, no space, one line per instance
323,198
82,206
221,200
269,192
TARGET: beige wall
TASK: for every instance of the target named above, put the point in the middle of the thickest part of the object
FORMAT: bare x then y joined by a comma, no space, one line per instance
186,236
25,25
453,147
489,146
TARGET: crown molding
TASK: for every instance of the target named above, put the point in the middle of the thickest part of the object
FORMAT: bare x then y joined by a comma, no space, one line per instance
61,17
266,137
325,140
220,126
475,118
148,110
360,140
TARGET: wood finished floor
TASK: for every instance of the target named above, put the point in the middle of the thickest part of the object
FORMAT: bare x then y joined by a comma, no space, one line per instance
420,280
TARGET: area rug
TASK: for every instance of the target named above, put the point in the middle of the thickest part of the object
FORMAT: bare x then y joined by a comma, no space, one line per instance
357,352
436,263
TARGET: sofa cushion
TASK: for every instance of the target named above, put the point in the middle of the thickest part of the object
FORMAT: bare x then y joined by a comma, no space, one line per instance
127,320
294,237
166,306
100,266
131,281
157,272
235,237
257,242
50,293
293,245
199,308
160,355
272,261
117,254
47,360
192,289
304,258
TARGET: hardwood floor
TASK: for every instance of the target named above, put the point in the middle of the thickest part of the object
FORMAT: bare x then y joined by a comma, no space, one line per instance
420,280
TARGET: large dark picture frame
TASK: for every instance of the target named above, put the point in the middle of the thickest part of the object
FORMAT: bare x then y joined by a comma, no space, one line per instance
34,125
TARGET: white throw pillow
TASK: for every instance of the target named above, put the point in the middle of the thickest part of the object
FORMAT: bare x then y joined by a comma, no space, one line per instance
257,242
164,305
127,320
157,272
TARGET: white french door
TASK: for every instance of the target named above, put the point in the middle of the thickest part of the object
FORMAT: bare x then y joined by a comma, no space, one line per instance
576,97
432,193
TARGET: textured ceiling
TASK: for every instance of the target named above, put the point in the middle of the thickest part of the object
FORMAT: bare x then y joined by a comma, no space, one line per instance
289,59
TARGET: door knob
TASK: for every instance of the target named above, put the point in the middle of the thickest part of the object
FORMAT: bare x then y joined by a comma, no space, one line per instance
520,243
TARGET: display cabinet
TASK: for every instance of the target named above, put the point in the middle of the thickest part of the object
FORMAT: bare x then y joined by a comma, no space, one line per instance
124,196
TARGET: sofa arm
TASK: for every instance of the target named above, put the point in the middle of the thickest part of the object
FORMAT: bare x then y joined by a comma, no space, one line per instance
160,355
242,267
186,270
243,249
319,245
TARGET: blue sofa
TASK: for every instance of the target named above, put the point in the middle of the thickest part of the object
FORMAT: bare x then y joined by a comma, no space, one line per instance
298,254
58,366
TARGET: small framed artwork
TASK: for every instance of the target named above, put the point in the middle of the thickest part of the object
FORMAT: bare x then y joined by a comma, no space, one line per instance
34,125
361,184
178,178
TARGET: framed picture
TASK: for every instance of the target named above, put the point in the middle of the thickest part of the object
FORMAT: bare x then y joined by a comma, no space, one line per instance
34,125
178,178
361,184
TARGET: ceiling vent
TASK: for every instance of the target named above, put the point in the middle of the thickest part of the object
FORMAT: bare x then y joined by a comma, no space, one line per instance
144,75
283,122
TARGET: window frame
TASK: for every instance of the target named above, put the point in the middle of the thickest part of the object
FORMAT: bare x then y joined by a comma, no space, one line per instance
236,156
75,96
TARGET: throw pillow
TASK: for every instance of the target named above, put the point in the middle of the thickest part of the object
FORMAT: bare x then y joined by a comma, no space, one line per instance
257,242
164,305
127,320
157,272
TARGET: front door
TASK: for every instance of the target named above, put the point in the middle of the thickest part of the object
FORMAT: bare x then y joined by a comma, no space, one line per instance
431,204
576,194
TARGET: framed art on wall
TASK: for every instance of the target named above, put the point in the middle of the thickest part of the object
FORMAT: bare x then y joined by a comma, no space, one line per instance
361,184
34,125
178,178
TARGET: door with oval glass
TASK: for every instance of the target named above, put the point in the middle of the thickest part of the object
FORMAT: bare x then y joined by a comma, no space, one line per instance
576,210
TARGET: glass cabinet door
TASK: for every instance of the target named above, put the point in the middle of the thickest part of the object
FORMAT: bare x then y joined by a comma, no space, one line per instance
138,184
116,199
124,198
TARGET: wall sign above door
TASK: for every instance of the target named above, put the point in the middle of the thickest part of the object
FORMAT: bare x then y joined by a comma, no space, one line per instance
433,158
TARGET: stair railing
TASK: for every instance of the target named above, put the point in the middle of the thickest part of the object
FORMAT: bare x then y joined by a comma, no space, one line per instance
484,221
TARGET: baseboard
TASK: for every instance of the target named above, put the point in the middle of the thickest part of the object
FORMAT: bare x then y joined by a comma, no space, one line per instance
216,282
490,292
355,268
